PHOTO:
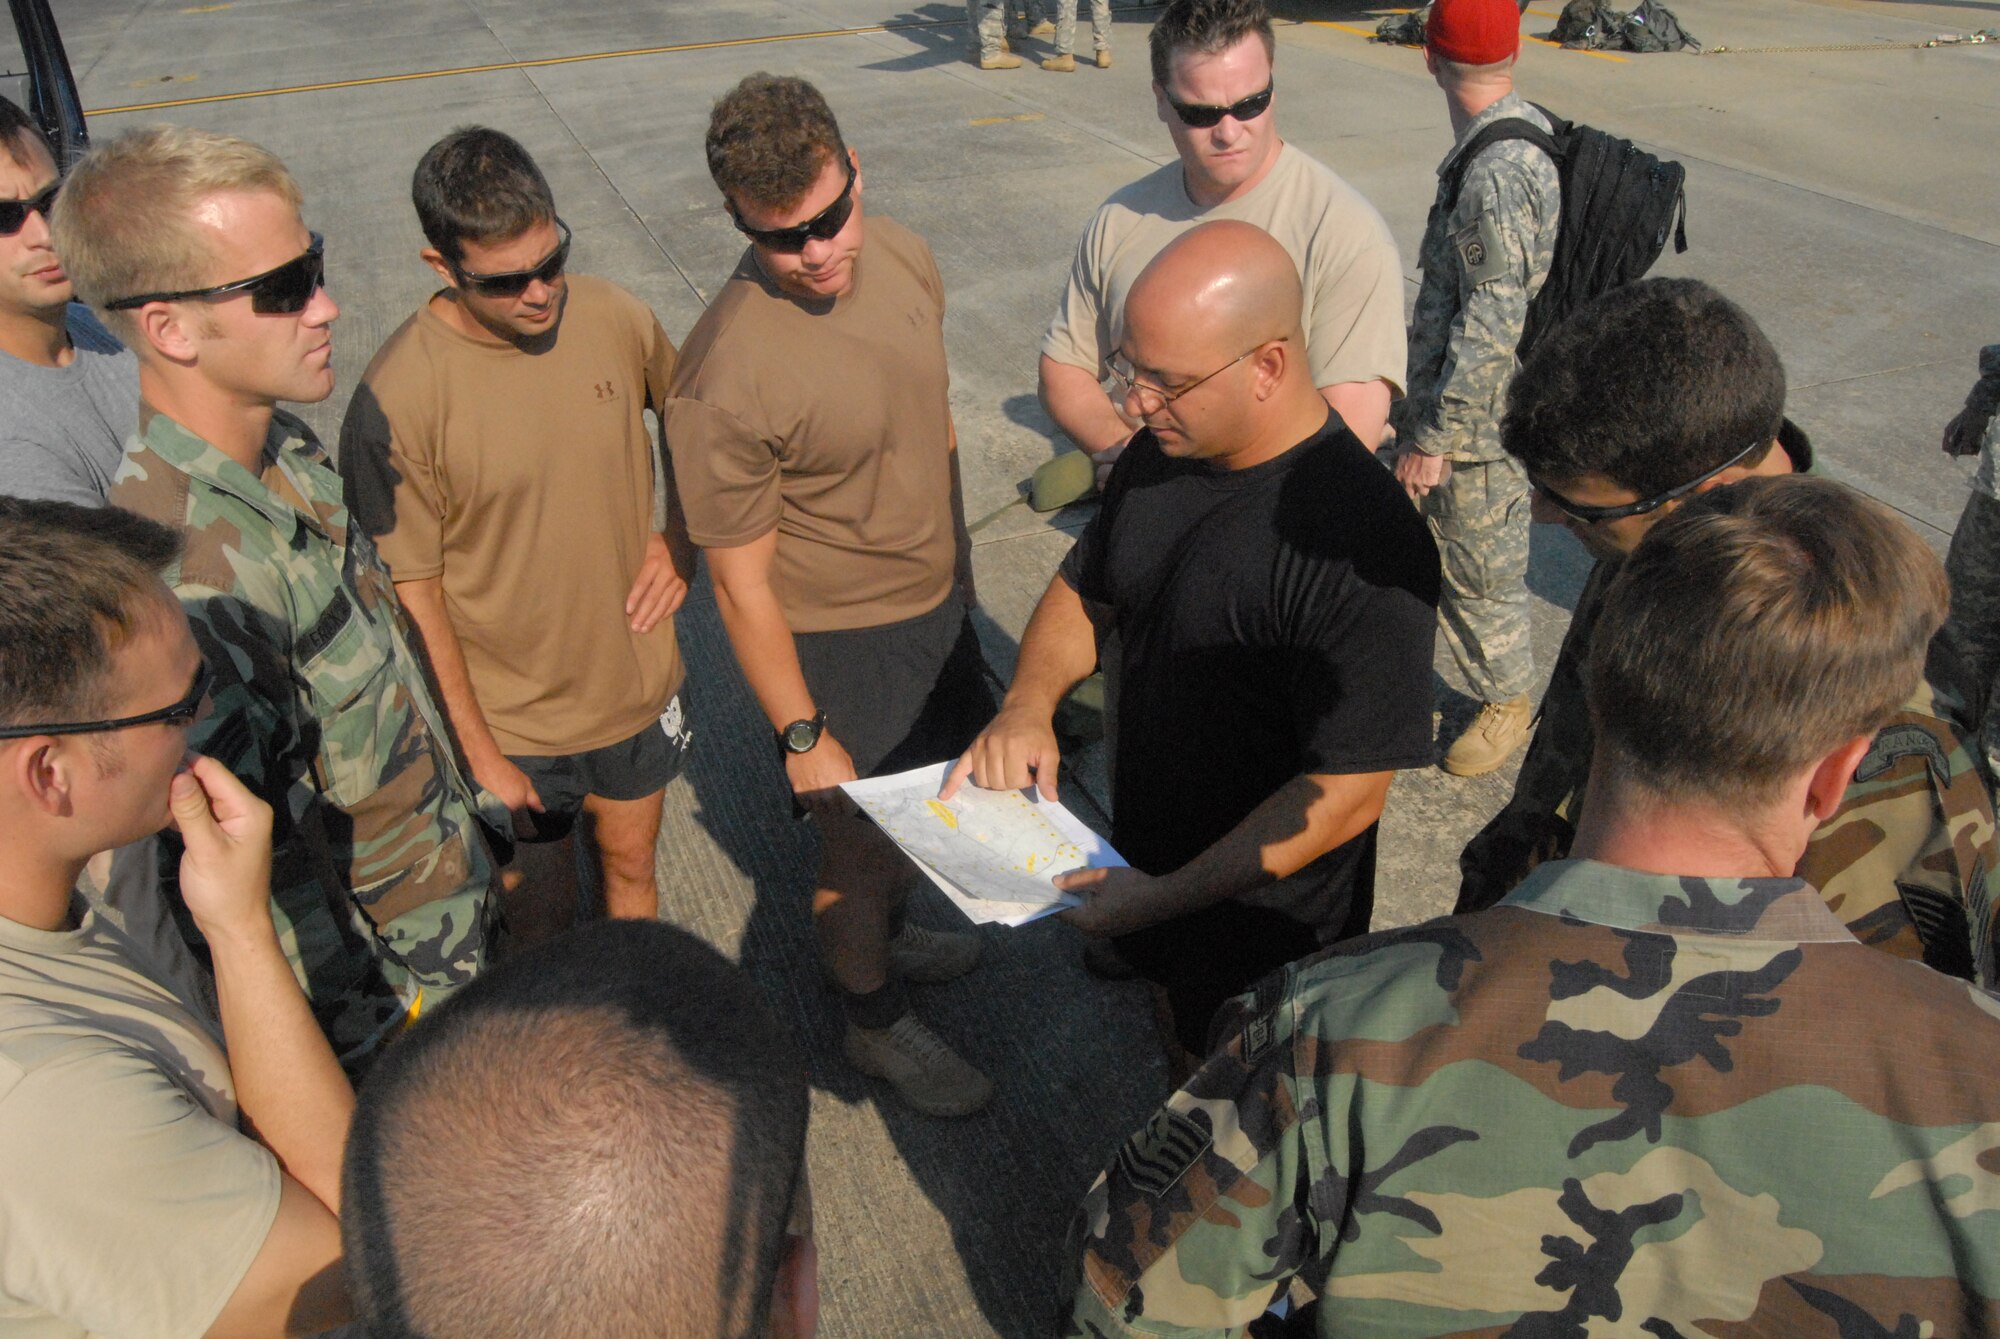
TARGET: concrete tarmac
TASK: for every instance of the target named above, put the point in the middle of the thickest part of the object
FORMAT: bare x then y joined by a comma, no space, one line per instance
1839,186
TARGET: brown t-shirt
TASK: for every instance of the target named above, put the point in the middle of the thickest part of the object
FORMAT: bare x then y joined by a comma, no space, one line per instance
525,478
831,422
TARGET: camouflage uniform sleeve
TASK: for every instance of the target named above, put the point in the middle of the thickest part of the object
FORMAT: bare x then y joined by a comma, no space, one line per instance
1904,862
1203,1216
1502,249
254,726
1536,824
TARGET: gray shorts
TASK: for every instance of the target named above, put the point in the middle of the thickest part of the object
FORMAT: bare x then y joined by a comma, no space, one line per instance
629,770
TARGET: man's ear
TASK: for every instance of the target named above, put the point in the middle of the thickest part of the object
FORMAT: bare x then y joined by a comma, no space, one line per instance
795,1292
1830,778
434,258
854,161
40,769
167,330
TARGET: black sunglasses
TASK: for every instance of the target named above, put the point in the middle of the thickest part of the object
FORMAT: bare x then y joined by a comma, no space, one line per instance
283,291
1201,116
182,712
1589,515
515,282
825,225
14,213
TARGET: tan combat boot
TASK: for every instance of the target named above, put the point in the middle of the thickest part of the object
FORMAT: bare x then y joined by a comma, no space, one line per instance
929,956
1104,60
1045,28
924,1071
1063,64
1490,737
1005,60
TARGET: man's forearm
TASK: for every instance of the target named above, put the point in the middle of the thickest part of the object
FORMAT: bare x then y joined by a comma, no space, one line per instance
425,602
1363,406
762,641
1300,822
290,1089
1058,651
1077,402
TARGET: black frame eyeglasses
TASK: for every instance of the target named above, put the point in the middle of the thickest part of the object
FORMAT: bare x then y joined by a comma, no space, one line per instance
823,226
180,713
1589,515
1203,116
513,283
283,290
14,213
1125,377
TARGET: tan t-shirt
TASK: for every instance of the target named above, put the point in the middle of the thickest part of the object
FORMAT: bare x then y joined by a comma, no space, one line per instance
130,1204
831,422
1347,259
526,479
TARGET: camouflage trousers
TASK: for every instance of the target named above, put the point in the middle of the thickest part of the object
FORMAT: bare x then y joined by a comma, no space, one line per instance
1100,25
1973,629
990,21
1480,522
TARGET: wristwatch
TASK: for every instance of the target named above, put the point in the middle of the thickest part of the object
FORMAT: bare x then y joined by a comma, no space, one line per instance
801,736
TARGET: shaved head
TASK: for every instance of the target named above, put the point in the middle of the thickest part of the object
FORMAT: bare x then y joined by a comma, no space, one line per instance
1225,284
1221,292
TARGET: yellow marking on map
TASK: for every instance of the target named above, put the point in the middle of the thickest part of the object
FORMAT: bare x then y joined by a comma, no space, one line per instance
943,813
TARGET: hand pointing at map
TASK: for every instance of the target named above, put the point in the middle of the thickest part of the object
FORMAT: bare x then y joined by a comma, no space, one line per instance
1016,751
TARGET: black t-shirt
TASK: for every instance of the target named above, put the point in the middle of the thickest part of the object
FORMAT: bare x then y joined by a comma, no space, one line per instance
1255,625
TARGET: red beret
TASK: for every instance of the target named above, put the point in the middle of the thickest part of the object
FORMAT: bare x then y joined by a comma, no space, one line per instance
1474,32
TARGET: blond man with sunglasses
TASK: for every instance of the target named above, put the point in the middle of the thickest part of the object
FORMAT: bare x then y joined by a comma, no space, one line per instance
1215,91
193,244
497,449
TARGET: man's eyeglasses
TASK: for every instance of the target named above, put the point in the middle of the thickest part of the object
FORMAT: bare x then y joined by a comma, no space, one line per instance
14,213
515,282
282,291
1125,378
1589,515
1201,116
180,713
825,225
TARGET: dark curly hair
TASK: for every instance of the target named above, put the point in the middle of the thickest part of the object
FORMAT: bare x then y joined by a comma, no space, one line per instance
769,138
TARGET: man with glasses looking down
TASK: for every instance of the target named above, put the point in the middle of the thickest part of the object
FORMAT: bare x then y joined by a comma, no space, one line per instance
812,438
193,243
1700,405
69,391
1214,89
1260,597
155,1184
497,451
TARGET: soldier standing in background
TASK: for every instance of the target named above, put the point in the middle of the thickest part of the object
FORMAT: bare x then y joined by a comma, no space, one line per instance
989,21
1974,563
1485,254
381,874
1619,1094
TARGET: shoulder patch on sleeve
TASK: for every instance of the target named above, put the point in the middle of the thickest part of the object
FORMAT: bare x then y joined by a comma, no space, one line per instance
1155,1158
1480,255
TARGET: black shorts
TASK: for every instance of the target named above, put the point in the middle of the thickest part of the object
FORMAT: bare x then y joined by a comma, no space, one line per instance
630,770
903,694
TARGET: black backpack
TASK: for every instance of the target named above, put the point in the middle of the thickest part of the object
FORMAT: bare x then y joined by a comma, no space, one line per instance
1619,206
1594,25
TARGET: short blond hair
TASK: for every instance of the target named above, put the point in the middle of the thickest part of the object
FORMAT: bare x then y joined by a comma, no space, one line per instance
1755,631
124,223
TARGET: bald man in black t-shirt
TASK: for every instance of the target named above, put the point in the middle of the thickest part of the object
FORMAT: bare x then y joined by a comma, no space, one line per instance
1263,601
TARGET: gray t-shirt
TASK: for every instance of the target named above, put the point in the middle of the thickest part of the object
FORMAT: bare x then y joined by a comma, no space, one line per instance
63,429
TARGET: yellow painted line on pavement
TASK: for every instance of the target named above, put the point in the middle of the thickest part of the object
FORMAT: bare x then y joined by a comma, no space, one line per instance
525,65
1003,120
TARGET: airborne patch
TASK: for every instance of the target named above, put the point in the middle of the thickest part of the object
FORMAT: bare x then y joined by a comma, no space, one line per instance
1481,258
1159,1155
